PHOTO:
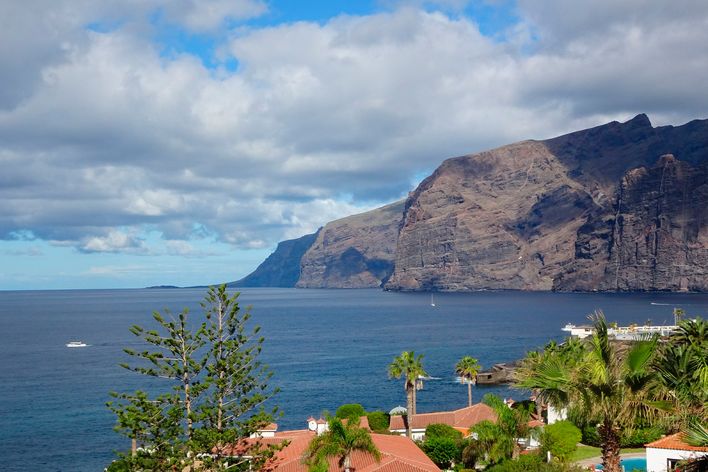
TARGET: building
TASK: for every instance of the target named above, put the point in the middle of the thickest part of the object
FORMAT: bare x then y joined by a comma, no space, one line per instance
398,454
621,333
461,420
665,453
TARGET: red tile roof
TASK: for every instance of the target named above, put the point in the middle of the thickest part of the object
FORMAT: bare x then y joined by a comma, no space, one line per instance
462,418
363,422
675,441
398,454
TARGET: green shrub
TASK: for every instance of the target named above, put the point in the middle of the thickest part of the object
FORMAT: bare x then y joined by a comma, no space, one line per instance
440,430
634,438
640,436
561,439
590,436
378,421
350,409
443,451
532,463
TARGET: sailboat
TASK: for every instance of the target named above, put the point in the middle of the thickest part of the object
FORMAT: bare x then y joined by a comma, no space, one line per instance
432,299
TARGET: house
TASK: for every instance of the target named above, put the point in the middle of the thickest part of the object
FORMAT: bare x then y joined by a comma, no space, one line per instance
665,453
267,431
461,420
398,454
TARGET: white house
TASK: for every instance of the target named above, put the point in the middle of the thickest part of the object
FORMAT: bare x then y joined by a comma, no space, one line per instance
556,414
663,454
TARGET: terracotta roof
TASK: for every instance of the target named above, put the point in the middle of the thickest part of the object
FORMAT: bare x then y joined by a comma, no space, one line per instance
398,454
363,422
675,441
462,418
270,427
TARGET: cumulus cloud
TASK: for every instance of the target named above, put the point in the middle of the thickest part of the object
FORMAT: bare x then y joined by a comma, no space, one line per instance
103,137
114,241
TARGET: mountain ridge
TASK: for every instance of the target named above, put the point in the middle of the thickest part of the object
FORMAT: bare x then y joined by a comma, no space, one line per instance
578,212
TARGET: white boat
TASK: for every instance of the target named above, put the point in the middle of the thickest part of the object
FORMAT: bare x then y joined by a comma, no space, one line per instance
76,344
432,300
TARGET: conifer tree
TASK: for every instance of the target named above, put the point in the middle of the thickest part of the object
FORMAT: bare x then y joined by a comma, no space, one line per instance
216,397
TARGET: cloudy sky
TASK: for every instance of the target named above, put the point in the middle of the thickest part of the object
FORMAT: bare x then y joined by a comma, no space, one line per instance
152,142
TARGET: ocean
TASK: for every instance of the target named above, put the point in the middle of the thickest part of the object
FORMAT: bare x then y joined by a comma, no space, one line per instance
326,348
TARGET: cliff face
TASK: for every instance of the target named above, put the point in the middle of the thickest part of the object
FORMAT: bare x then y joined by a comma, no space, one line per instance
354,252
280,269
585,211
655,238
623,206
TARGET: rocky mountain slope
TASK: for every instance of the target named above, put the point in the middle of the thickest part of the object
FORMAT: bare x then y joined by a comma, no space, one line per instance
592,210
622,206
353,252
280,269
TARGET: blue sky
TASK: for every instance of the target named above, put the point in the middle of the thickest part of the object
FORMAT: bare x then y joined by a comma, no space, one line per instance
176,142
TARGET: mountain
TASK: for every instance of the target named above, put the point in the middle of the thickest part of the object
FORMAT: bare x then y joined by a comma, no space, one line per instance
354,252
554,214
622,206
280,269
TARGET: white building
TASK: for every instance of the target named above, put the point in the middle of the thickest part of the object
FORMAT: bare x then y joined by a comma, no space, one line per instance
665,453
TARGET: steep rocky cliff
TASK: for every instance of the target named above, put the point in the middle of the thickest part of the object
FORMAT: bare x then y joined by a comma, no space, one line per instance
568,213
354,252
622,206
654,238
280,269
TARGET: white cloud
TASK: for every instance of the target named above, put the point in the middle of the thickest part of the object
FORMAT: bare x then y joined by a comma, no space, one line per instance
101,131
205,15
114,241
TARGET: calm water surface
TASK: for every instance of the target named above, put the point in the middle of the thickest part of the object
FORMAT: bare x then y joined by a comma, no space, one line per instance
326,347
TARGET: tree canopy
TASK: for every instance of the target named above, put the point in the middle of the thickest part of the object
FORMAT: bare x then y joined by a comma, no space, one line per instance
214,393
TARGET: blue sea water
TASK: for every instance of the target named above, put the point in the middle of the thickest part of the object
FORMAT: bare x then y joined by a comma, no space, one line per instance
326,347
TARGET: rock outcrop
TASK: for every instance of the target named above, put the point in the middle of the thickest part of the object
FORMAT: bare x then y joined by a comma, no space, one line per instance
280,269
353,252
568,213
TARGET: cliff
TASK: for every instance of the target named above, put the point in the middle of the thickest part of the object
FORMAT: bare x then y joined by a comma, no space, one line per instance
353,252
622,206
590,210
655,236
280,269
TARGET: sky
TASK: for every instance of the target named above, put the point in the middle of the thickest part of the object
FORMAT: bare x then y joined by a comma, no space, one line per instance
149,142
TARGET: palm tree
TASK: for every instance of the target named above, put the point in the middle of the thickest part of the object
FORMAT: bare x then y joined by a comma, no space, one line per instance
467,368
604,382
410,367
498,440
341,439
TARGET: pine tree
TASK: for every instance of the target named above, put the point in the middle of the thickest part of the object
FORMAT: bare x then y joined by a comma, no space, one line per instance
216,394
236,382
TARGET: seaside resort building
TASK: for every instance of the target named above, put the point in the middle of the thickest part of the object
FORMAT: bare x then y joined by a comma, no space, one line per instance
665,453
